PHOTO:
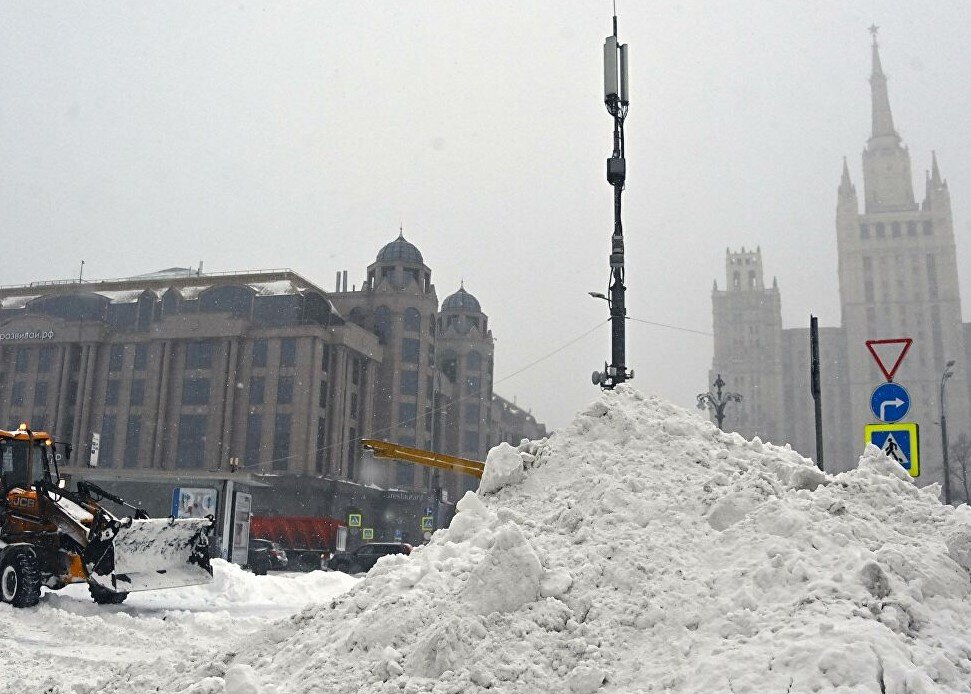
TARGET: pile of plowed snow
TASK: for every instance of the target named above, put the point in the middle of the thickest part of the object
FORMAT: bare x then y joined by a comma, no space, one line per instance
641,550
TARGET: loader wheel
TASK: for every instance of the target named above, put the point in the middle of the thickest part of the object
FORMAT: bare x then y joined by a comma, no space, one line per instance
20,580
103,596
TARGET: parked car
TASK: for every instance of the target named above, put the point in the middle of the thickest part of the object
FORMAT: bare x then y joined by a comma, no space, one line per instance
265,555
364,557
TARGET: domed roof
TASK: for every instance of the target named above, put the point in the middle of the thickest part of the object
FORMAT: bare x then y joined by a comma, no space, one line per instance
461,301
400,249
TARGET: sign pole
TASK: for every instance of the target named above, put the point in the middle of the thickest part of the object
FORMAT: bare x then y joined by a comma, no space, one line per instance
815,386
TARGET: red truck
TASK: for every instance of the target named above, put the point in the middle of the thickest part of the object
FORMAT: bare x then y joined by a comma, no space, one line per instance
305,538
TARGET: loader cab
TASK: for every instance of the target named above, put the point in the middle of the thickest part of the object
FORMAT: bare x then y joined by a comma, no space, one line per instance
25,459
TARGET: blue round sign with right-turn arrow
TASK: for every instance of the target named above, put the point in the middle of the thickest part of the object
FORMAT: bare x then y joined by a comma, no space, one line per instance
890,402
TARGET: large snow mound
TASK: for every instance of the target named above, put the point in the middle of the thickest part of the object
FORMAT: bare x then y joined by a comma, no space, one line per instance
642,550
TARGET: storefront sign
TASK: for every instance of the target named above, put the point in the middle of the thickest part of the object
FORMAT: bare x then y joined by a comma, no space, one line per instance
28,335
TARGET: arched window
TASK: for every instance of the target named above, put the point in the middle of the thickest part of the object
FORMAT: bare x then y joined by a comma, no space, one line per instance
473,361
382,324
171,302
357,316
232,299
751,279
146,309
736,280
412,320
71,307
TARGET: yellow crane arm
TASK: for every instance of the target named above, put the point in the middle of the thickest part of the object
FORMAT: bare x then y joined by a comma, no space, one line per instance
386,449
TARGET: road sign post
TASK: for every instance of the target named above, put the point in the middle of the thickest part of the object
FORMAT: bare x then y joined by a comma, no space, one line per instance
883,350
899,442
890,402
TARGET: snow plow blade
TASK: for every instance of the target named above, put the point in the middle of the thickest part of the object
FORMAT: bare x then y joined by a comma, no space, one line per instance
129,555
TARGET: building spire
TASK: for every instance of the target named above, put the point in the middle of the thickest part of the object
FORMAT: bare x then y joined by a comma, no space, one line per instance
845,184
882,118
935,172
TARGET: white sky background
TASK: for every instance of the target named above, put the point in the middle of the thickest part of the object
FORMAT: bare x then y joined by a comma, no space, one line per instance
259,135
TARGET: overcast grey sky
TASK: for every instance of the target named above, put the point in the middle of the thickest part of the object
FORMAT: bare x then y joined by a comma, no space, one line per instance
138,136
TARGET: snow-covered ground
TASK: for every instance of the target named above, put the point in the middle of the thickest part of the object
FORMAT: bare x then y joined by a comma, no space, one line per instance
68,644
638,550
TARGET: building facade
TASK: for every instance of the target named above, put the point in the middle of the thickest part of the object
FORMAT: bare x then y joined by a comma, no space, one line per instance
898,278
259,371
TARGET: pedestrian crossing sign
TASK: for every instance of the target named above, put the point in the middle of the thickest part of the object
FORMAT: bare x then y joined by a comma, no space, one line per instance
898,441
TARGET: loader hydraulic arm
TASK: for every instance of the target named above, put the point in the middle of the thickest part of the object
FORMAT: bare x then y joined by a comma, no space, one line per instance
394,451
93,491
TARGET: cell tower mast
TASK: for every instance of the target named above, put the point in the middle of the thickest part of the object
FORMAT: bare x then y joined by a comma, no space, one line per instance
616,99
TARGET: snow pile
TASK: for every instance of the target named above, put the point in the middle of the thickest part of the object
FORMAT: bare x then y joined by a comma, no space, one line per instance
641,550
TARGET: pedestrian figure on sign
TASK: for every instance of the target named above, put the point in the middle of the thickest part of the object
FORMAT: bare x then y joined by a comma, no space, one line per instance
891,450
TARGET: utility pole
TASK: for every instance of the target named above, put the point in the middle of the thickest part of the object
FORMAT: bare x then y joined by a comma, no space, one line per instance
616,100
947,468
717,403
814,386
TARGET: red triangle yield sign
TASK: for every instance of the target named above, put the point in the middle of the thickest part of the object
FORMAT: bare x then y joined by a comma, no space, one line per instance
902,346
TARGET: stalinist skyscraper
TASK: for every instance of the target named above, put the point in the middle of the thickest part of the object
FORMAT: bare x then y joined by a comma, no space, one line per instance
897,278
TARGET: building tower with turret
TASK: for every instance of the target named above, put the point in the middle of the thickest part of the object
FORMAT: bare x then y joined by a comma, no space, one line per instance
898,277
398,304
748,345
465,360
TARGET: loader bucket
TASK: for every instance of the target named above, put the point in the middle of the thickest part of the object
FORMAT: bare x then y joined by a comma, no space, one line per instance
131,555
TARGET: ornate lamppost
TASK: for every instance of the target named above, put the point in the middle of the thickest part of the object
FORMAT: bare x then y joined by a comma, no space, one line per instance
716,403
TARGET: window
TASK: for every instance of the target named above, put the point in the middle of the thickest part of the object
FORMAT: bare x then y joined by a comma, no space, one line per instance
473,360
351,452
412,320
356,371
472,384
881,230
429,388
198,355
895,229
111,392
470,442
281,442
382,324
284,390
353,405
409,383
141,357
409,350
407,414
195,391
45,358
137,395
325,359
116,357
431,355
404,474
132,439
18,393
259,353
322,398
932,288
23,357
254,439
864,231
257,390
191,448
928,227
428,419
40,393
472,414
321,453
106,447
911,228
288,351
